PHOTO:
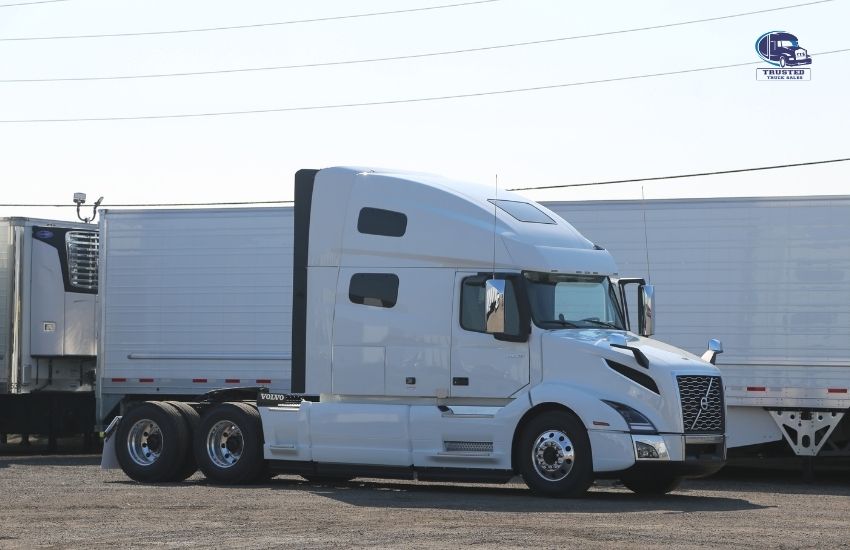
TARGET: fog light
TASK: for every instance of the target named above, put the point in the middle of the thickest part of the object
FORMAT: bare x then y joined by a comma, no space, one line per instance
645,450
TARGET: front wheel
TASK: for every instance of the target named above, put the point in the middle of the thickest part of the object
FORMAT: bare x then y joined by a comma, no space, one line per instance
228,444
782,62
652,486
555,458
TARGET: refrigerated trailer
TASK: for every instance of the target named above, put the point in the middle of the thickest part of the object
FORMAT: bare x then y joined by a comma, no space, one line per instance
193,300
48,288
769,278
408,326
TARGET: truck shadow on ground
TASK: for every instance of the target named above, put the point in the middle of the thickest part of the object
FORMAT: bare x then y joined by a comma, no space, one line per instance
498,498
494,498
785,482
50,460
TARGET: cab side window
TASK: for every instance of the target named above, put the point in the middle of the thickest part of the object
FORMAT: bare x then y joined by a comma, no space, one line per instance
374,289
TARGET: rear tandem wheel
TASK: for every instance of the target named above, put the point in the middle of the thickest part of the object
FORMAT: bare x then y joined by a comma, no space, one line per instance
151,443
228,444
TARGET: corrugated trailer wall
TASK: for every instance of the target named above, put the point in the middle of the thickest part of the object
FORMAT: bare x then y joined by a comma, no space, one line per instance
768,276
193,300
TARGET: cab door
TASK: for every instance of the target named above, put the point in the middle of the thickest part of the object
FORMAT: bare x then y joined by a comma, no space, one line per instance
482,364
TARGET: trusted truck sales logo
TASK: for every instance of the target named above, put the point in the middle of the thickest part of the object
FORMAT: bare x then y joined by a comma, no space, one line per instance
782,50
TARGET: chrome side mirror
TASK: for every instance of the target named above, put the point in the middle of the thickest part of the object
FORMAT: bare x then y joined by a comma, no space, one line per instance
494,306
715,347
646,310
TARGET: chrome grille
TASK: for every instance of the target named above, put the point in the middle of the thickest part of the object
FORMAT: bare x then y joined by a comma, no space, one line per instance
702,404
82,258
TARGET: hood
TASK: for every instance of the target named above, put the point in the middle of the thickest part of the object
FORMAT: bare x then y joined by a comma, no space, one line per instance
585,358
658,353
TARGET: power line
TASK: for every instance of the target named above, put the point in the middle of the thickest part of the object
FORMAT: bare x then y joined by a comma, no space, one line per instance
147,205
253,25
247,203
394,101
404,57
31,3
700,174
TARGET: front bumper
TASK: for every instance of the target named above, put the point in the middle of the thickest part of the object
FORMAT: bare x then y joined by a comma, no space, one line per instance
681,455
676,454
798,62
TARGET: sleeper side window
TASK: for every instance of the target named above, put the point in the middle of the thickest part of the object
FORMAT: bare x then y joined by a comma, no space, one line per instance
377,221
374,289
472,298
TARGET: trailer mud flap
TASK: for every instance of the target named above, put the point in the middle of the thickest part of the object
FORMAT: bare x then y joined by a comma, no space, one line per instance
109,458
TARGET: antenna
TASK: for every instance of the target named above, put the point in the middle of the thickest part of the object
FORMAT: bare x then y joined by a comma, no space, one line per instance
645,237
495,206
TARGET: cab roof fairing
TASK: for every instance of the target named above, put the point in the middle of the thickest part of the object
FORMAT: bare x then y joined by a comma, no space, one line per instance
450,224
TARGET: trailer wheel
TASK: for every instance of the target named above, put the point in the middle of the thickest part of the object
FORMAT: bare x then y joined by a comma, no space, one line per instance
652,486
150,442
192,419
228,444
555,456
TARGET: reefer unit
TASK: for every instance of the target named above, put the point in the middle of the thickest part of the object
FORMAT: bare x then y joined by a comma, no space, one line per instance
48,290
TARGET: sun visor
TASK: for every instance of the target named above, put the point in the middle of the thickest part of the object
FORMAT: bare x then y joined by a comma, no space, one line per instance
547,258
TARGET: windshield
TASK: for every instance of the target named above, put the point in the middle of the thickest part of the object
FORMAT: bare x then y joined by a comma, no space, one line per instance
786,44
572,301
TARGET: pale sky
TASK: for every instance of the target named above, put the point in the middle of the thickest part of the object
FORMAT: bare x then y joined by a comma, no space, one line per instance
703,121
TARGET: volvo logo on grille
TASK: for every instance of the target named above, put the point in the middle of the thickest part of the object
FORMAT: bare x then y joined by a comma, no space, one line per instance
703,403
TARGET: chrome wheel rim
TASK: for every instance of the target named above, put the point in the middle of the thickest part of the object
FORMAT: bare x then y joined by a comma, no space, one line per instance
144,442
553,455
225,444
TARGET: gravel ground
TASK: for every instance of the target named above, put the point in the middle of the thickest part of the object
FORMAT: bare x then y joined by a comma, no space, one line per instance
67,501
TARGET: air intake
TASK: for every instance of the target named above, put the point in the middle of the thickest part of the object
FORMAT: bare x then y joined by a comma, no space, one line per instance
637,377
468,446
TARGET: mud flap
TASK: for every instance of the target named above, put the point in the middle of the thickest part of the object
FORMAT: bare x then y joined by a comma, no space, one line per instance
109,459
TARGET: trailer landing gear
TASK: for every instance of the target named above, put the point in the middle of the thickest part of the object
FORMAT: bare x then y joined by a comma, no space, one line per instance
806,431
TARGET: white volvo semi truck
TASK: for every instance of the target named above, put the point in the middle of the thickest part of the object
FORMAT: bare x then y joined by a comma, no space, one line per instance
409,327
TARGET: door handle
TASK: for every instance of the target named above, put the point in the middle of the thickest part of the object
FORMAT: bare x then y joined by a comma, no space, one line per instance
516,356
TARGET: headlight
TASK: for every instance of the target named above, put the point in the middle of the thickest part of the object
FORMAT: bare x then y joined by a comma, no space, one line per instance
637,422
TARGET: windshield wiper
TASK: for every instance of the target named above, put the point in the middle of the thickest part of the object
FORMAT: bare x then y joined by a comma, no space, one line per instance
597,322
568,324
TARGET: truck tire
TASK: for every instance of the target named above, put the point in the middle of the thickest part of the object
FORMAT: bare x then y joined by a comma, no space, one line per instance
150,443
228,444
652,486
554,455
782,62
192,419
